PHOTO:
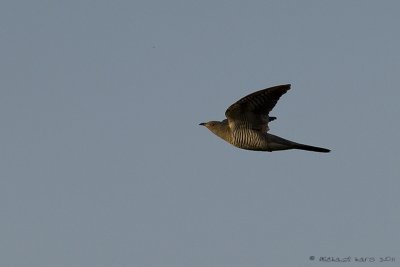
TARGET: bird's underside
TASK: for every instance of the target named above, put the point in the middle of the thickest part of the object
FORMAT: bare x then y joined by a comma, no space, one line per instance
247,122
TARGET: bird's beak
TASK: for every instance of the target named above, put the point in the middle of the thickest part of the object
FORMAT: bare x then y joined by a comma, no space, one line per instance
202,124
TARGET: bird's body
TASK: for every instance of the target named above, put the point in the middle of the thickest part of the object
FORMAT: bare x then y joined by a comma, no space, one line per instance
247,123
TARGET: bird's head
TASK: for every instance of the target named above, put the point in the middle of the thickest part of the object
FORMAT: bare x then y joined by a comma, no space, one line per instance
219,128
210,124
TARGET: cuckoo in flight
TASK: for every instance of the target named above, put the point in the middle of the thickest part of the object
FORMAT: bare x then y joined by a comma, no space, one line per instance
247,121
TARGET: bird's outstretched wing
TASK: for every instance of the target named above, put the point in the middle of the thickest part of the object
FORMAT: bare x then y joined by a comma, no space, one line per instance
252,110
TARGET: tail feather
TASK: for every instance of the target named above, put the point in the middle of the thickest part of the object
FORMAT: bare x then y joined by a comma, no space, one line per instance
279,143
312,148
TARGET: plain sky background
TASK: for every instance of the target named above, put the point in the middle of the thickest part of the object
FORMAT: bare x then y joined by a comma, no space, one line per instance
103,163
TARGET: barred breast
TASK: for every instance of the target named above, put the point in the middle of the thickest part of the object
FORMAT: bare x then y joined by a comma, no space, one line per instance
249,139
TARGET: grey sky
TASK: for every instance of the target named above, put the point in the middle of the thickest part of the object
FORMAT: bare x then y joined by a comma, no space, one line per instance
103,162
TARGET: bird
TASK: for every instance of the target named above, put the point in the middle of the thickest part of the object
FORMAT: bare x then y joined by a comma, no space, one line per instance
247,123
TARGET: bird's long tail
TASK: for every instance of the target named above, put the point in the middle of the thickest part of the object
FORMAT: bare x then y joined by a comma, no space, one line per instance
278,143
311,148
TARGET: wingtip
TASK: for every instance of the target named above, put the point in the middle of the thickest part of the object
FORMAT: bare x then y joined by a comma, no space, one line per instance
287,86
